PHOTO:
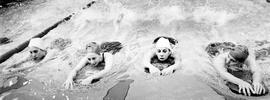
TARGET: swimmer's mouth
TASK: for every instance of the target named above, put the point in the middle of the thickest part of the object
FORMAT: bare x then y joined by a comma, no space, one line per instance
162,58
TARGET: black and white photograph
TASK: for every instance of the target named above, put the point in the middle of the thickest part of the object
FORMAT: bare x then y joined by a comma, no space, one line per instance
134,49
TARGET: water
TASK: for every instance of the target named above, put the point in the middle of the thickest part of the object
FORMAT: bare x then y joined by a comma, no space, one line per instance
135,23
13,83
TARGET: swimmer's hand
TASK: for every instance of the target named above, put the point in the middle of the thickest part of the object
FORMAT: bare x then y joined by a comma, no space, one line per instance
86,81
246,88
68,84
258,88
167,71
154,70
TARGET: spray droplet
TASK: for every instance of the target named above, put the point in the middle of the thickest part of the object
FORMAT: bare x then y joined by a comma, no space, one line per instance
24,83
10,83
67,97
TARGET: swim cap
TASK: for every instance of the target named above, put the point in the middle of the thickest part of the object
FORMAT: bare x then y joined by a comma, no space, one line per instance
162,42
239,53
36,42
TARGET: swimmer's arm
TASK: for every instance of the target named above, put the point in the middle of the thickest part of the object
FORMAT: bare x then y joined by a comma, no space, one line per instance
25,59
81,64
108,66
147,60
256,70
219,64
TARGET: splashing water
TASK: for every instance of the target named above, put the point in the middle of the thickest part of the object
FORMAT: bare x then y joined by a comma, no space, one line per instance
135,23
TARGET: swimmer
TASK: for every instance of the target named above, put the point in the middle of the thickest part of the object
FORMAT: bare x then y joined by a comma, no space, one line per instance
97,58
37,52
162,60
239,69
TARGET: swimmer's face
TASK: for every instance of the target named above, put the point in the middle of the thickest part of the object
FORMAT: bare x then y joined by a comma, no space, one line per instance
36,53
94,59
163,53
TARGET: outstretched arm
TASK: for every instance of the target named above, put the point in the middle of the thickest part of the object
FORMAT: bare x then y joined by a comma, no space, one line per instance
11,68
69,82
80,65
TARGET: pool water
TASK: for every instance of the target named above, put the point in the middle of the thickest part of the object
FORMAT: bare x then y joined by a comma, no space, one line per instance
135,23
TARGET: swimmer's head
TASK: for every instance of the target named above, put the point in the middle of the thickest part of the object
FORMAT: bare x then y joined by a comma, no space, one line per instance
239,53
93,59
92,47
163,48
37,49
37,53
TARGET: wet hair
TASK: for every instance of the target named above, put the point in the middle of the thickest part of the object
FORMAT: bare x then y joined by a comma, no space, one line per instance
171,40
114,46
239,53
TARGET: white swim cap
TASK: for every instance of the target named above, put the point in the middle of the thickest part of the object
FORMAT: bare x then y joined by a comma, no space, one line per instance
36,42
162,42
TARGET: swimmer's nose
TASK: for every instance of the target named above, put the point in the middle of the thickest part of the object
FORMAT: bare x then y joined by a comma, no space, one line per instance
92,62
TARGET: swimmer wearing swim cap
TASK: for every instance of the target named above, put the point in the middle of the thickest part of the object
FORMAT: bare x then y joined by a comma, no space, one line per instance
239,69
36,49
37,53
161,59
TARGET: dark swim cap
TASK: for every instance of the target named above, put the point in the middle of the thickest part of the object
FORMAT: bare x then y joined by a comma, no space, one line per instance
239,53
